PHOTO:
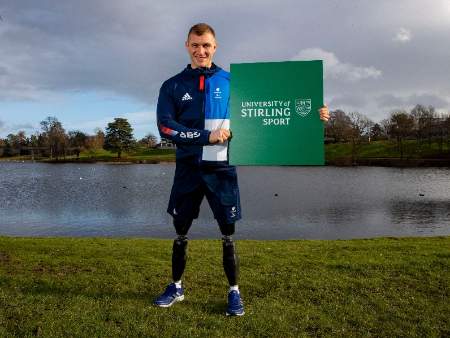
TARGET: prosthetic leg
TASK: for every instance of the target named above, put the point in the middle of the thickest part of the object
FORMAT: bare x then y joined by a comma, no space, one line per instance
179,249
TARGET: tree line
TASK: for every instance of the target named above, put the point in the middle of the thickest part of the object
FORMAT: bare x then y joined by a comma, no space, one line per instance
54,142
422,124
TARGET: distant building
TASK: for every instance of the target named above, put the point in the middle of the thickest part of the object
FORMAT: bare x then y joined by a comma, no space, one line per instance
166,144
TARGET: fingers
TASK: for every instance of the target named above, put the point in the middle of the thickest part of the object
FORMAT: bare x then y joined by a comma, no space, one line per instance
324,113
225,133
219,136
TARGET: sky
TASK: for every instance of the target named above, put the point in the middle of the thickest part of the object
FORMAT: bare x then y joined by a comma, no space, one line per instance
89,61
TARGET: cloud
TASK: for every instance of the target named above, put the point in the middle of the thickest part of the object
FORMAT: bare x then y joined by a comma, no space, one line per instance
22,126
394,101
403,35
336,69
142,123
346,101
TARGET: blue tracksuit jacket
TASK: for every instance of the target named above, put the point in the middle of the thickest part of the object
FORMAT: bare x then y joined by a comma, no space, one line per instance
190,104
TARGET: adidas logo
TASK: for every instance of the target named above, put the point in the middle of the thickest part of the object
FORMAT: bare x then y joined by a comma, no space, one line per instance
186,97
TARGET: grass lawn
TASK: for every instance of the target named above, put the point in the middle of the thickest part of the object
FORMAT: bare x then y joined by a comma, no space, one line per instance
142,154
387,149
92,287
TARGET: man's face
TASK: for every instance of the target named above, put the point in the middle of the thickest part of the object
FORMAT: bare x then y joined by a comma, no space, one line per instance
201,49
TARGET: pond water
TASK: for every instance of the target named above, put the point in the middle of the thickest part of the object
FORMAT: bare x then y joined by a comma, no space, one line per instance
109,200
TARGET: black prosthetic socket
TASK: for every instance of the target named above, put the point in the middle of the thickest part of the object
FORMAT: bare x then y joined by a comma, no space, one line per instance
230,260
179,250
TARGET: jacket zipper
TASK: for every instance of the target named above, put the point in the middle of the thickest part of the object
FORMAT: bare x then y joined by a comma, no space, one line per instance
201,88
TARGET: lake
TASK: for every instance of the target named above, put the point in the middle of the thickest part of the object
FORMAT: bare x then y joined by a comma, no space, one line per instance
109,200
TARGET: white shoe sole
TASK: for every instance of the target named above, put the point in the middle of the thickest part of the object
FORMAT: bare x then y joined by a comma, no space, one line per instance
176,299
235,314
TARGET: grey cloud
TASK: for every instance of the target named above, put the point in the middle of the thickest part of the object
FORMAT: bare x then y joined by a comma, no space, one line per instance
390,100
355,102
129,48
427,100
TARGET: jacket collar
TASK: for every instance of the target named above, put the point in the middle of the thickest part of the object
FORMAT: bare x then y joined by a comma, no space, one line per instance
202,71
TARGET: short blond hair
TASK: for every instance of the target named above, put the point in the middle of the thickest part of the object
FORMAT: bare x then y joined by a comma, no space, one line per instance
200,29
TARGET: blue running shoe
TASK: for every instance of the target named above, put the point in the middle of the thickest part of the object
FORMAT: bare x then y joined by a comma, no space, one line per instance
235,305
170,296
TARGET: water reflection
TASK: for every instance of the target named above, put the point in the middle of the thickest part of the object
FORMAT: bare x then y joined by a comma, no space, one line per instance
426,214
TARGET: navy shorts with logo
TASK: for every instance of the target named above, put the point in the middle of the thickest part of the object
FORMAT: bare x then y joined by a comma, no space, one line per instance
218,183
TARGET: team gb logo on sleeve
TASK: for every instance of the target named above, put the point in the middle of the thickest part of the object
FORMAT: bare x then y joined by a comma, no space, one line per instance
303,106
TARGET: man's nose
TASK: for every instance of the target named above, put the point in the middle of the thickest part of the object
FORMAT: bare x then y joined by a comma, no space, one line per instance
201,50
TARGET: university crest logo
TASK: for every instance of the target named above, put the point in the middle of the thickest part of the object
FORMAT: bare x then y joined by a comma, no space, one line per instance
303,106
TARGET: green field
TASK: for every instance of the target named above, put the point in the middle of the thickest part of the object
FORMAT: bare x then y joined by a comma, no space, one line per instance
142,154
90,287
387,149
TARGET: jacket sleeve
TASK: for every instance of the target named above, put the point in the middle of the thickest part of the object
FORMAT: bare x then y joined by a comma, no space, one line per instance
171,129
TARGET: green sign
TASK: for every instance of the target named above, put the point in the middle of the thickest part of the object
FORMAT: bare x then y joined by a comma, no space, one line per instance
274,113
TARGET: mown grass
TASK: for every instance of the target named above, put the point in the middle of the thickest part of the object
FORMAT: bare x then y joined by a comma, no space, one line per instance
140,154
92,287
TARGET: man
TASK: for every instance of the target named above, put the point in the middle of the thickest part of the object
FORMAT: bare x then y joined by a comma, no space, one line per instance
196,119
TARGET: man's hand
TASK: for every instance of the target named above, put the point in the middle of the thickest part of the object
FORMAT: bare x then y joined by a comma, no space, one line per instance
219,136
324,113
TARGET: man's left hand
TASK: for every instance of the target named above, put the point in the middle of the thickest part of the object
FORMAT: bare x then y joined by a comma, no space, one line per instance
324,113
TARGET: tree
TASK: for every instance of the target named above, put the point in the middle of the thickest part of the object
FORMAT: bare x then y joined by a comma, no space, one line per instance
77,140
95,142
119,136
424,122
12,144
149,140
33,141
54,136
2,147
359,129
338,126
401,126
446,127
377,132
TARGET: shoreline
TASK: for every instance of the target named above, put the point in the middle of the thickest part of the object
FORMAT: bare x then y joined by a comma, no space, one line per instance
343,162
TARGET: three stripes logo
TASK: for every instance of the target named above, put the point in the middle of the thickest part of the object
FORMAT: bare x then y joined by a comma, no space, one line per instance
186,97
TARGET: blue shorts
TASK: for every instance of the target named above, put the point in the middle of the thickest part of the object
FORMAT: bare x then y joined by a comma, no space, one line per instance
218,184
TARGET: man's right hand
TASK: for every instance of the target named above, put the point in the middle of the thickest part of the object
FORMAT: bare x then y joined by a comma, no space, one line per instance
219,136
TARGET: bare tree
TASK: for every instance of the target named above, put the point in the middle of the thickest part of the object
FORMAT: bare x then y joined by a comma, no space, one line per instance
338,126
359,130
424,122
55,136
401,126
